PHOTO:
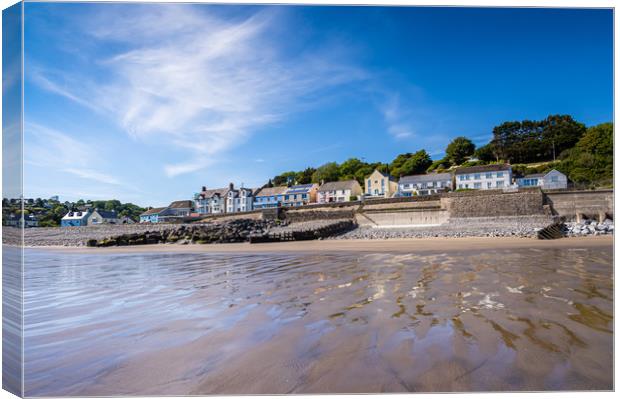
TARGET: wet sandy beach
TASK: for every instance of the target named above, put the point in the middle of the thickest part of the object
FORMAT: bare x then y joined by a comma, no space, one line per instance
358,245
473,318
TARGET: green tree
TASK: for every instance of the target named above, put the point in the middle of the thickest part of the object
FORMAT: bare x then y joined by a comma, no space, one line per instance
349,168
326,173
285,178
459,149
533,141
485,153
112,205
410,164
591,160
439,165
305,176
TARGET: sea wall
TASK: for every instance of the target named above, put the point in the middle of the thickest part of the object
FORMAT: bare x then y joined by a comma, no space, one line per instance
490,203
224,217
405,217
306,215
574,205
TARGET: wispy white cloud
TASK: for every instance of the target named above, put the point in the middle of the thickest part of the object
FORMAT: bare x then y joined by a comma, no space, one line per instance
397,119
52,149
91,174
197,81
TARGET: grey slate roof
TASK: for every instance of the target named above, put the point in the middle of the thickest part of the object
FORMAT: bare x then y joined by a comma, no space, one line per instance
269,191
181,204
482,168
106,214
152,211
340,185
210,193
300,188
425,178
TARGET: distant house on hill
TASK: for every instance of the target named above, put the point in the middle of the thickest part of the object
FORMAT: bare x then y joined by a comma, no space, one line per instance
99,216
16,221
380,184
151,215
550,180
212,201
431,183
300,194
484,177
269,197
338,191
75,218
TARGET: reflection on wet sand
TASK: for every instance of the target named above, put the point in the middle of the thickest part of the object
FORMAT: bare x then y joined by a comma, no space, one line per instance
517,319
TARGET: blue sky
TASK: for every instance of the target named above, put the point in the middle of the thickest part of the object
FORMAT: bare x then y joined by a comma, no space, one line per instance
147,103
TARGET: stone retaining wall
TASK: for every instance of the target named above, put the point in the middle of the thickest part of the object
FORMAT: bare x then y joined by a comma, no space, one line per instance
493,203
595,204
317,214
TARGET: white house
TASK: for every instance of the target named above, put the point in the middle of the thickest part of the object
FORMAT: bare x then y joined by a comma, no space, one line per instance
338,191
75,218
431,183
239,200
99,216
484,177
550,180
211,201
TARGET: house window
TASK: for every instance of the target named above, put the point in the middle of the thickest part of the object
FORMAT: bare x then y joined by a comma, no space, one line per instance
461,177
406,185
286,197
369,183
489,175
304,196
382,183
500,183
477,176
500,174
489,184
554,179
477,185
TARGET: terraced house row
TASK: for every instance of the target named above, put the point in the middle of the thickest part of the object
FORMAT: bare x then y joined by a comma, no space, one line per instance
377,185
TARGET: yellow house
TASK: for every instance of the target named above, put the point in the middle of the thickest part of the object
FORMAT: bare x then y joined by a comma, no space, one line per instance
380,185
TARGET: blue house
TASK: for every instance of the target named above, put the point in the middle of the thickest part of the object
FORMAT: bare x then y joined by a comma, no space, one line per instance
75,218
300,194
152,215
269,197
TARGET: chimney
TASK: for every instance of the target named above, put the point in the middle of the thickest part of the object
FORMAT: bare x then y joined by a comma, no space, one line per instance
231,186
204,188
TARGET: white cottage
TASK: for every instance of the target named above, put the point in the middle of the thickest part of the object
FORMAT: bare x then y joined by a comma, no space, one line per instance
431,183
338,191
484,177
